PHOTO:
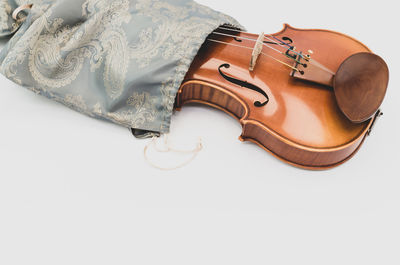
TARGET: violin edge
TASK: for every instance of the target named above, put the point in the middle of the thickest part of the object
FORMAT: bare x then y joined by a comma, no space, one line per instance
287,26
305,157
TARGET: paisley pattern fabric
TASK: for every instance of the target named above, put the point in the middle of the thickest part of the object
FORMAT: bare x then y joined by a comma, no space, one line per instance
120,60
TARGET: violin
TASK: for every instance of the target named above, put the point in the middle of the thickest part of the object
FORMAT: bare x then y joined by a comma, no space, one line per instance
309,97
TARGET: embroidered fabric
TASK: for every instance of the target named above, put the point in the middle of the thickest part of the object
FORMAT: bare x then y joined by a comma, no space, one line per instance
121,60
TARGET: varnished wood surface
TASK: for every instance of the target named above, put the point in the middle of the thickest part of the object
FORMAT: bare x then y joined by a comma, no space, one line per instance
301,123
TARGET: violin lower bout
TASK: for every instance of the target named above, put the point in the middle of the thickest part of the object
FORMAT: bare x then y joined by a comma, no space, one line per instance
194,91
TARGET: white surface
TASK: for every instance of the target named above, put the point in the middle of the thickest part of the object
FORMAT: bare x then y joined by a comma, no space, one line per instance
75,190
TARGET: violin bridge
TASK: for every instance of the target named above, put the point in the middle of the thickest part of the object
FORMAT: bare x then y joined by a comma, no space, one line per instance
256,51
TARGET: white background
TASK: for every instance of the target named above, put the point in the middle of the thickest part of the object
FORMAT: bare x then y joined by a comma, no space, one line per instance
75,190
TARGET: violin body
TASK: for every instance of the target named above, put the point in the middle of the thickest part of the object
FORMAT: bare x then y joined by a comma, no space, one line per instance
300,121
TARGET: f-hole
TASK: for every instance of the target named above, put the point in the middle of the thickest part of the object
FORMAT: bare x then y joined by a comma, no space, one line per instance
285,41
243,84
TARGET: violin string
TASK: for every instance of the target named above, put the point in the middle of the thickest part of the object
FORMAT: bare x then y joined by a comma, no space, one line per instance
282,43
313,61
244,38
250,39
242,31
241,46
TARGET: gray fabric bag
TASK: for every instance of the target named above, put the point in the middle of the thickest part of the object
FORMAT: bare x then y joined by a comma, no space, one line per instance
121,60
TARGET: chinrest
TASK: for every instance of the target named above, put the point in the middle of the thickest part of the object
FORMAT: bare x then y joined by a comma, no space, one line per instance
360,85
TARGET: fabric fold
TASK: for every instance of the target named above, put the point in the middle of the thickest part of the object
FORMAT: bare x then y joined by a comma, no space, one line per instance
122,60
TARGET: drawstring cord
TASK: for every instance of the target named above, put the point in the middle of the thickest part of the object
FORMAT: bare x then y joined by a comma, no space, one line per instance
19,10
167,148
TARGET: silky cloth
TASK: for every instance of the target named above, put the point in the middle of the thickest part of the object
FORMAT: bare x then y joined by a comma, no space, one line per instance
120,60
